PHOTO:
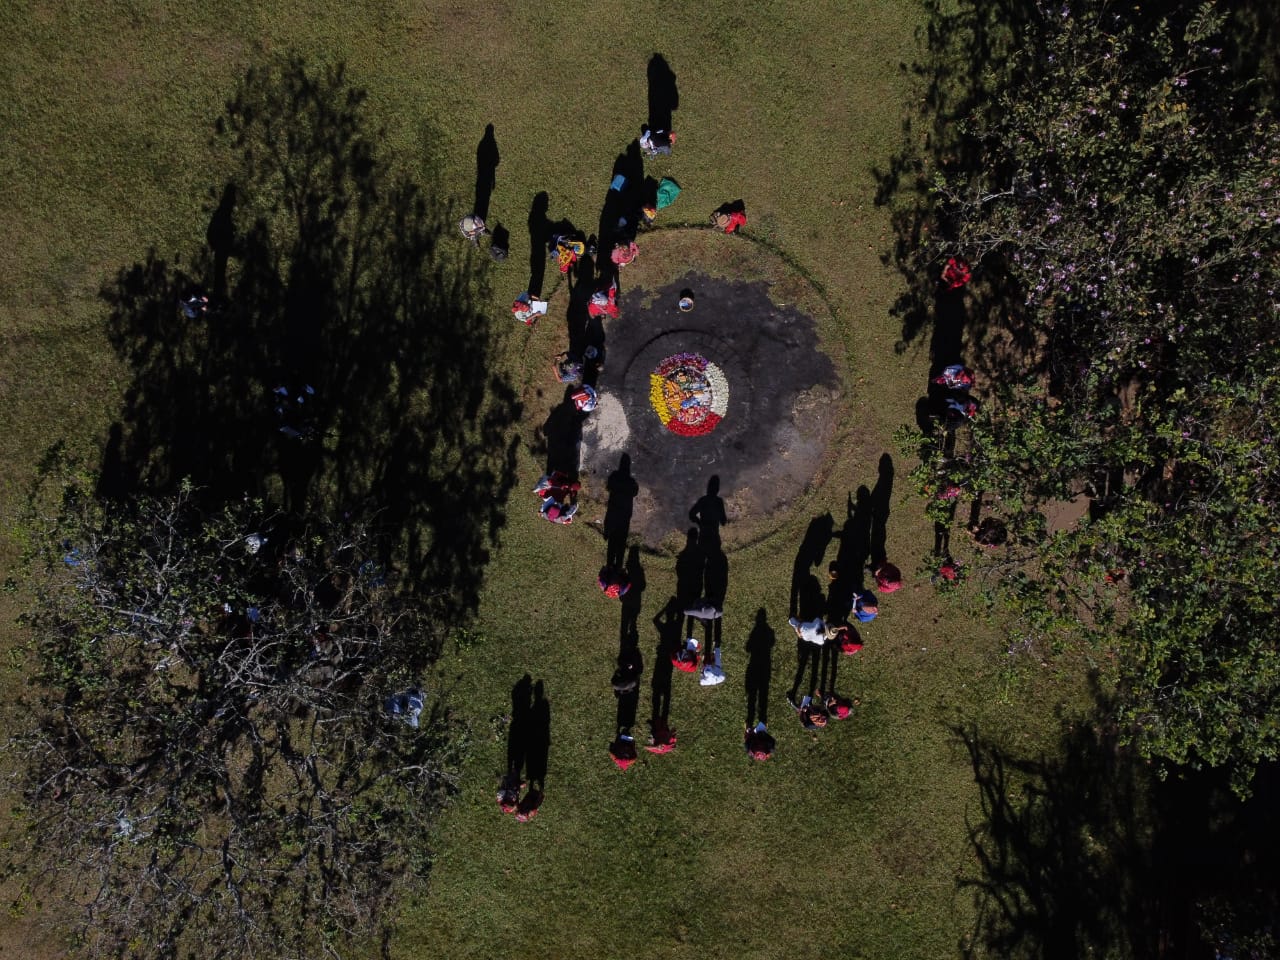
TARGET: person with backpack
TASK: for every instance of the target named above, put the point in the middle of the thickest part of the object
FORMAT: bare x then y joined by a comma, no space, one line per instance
656,142
865,607
528,309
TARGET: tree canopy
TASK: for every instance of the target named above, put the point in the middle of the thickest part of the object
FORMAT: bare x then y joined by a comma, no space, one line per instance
1118,195
232,754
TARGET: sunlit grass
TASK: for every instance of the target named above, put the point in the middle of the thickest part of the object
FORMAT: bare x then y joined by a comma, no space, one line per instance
845,844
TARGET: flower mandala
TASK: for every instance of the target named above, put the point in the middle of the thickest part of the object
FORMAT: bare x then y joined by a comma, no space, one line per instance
689,393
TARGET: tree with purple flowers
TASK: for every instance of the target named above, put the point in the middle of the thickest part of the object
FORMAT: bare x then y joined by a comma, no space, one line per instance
1119,198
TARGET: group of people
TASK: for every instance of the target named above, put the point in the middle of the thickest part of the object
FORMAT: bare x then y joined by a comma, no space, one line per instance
677,652
632,200
592,265
689,630
823,638
954,407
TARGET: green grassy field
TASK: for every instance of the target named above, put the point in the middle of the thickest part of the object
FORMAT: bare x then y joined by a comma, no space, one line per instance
849,843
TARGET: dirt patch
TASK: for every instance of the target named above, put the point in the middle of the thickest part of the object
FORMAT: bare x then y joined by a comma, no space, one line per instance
1065,514
783,405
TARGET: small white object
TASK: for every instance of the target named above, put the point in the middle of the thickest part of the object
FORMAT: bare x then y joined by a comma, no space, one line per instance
254,542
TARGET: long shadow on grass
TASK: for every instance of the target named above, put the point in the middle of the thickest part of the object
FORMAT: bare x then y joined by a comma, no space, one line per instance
1087,853
664,93
350,365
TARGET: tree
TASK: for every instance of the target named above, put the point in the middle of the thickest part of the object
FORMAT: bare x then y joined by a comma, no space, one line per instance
227,756
1119,196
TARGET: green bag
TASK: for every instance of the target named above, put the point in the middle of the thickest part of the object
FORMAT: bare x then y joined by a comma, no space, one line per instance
668,190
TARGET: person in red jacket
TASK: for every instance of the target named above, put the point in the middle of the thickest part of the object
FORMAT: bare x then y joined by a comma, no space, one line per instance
888,577
729,217
614,582
956,273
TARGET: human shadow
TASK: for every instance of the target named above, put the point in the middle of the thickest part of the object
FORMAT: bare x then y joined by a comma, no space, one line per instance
539,238
560,437
813,549
690,564
538,741
942,538
500,244
626,690
342,283
715,588
709,514
668,623
584,330
881,500
715,577
487,159
626,686
1087,852
620,212
221,237
759,671
808,658
848,570
810,601
518,733
946,340
622,489
633,600
664,93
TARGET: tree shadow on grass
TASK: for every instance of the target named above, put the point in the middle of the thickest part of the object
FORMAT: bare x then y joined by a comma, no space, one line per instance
1062,852
1088,853
342,280
963,63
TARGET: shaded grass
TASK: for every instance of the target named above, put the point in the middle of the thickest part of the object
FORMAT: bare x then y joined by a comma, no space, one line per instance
847,842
